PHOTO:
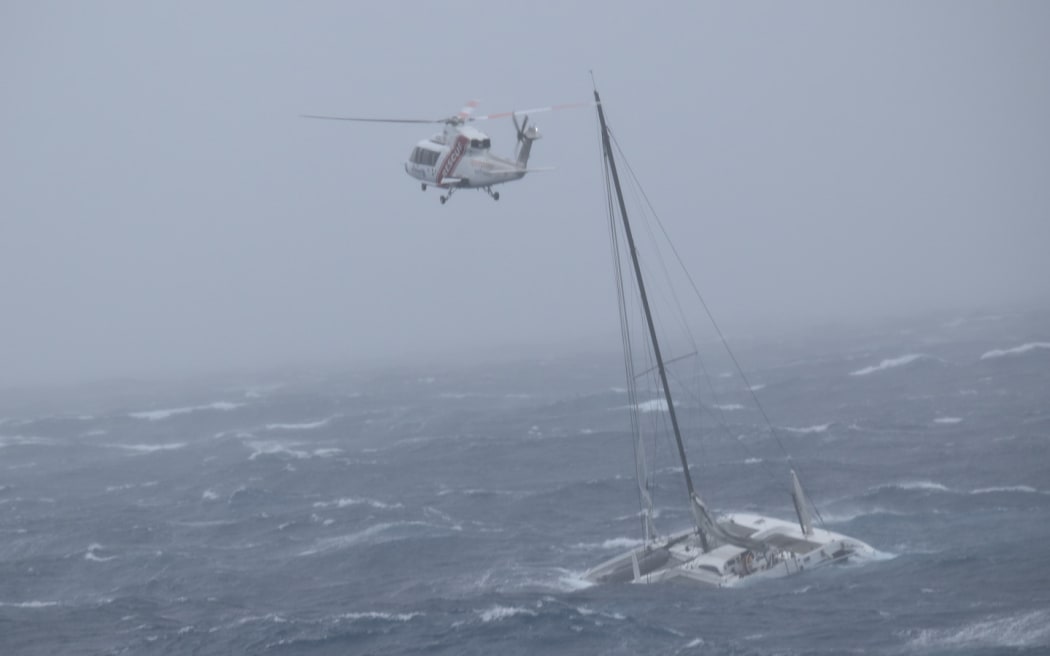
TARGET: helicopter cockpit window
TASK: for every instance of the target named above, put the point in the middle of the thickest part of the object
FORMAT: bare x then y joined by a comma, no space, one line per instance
425,157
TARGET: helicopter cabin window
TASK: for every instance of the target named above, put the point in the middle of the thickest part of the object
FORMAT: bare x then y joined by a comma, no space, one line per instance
424,156
480,144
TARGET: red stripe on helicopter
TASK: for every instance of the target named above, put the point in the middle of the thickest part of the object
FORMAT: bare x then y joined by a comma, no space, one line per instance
454,155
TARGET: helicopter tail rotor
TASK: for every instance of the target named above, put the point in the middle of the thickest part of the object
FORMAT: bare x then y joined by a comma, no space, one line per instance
526,135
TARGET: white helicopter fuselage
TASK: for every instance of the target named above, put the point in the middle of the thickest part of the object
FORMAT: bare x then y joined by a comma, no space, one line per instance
460,157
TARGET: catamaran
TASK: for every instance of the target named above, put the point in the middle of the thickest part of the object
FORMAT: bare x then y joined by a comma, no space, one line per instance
717,550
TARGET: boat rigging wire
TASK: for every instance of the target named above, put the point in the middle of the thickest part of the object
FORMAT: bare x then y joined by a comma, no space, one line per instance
710,315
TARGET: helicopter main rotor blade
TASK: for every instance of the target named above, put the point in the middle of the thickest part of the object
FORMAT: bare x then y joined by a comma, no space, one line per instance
374,120
468,109
523,112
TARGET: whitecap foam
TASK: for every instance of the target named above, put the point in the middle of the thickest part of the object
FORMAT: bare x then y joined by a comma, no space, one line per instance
755,388
612,543
91,555
1017,350
269,448
29,604
498,613
209,495
307,425
25,440
818,428
570,581
351,501
148,448
367,535
947,420
843,516
890,363
1019,489
130,486
587,612
1028,629
916,485
158,415
375,615
655,405
729,406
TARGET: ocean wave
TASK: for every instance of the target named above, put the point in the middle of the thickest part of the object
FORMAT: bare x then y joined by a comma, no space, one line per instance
1029,629
655,405
130,486
370,535
612,543
470,492
309,425
1017,350
271,448
350,501
1019,489
376,615
933,486
844,516
271,617
459,396
29,604
587,612
818,428
26,440
158,415
569,581
498,613
889,364
729,406
91,555
148,448
947,420
915,485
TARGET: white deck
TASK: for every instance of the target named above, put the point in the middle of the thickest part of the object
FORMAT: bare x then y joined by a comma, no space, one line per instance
679,557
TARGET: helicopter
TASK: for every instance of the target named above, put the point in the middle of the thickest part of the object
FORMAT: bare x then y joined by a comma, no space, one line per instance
459,156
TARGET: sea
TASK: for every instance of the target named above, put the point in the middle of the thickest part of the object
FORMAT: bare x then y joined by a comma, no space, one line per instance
453,508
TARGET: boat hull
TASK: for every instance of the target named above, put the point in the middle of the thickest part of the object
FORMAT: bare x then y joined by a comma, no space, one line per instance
779,549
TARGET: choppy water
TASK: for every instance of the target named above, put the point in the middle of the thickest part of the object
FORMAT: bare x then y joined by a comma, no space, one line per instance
452,510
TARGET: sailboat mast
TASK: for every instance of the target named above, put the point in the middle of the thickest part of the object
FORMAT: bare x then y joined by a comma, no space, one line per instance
607,148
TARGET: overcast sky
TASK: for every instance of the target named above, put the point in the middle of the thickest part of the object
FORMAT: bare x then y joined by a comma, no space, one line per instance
163,209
